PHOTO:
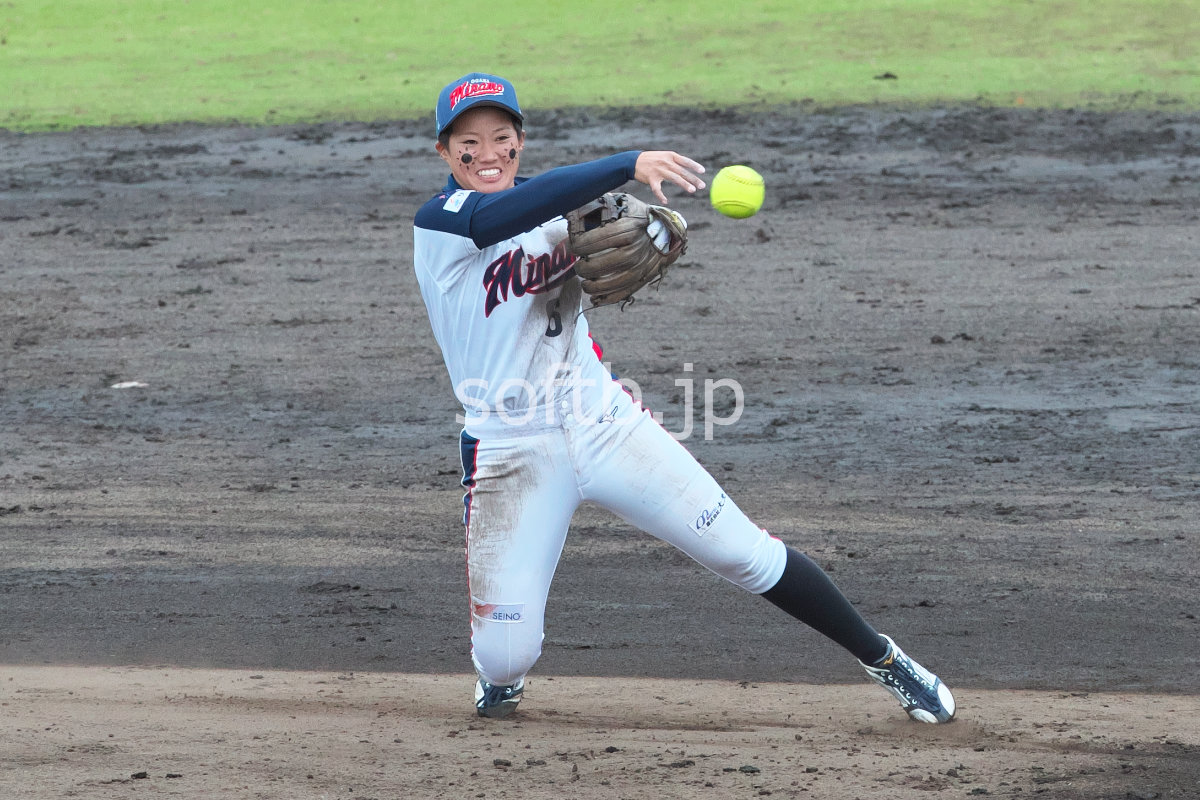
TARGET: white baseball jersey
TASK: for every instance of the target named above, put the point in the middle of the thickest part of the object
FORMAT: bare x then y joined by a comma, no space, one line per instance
506,311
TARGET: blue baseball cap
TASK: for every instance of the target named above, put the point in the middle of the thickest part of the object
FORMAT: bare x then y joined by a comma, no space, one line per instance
470,91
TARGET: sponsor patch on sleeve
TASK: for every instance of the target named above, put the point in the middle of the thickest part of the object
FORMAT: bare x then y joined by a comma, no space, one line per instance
455,202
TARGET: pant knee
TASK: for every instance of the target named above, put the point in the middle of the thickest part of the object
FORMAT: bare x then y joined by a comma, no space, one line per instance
750,558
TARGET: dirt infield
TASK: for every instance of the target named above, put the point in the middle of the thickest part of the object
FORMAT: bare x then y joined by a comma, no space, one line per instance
118,732
967,341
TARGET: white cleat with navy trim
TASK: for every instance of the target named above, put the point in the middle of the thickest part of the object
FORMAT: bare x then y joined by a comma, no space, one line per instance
923,695
497,701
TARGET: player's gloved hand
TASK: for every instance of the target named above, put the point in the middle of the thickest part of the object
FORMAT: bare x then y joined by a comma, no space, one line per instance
623,244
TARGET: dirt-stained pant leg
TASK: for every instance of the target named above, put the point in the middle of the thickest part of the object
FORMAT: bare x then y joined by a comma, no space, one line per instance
636,469
521,495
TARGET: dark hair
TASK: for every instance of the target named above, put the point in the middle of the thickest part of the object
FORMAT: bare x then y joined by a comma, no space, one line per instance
444,137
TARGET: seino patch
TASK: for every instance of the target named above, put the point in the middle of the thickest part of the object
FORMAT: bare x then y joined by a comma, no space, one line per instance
498,612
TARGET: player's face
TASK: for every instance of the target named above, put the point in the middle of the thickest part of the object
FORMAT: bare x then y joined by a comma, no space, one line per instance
484,150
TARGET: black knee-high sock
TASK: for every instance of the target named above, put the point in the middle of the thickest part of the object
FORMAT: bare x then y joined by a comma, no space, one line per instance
809,595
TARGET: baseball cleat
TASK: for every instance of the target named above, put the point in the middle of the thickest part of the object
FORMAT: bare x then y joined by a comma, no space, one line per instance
923,695
497,701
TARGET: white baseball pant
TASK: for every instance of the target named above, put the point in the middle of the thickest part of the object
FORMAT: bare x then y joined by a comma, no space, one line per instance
523,487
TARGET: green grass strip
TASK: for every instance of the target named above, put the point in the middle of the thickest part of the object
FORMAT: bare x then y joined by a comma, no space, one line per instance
124,62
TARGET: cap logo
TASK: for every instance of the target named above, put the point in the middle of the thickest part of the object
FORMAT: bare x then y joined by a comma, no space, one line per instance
474,89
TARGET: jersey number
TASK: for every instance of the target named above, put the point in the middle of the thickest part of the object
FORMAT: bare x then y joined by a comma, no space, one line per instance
555,326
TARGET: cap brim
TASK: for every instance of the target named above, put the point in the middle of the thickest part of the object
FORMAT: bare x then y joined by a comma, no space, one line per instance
480,103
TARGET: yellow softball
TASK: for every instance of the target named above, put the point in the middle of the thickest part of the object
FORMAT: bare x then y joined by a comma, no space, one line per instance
737,192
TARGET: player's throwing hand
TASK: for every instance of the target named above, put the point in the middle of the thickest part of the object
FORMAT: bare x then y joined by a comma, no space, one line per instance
654,167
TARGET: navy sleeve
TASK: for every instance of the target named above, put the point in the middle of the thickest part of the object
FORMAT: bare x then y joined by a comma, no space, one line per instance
496,217
436,216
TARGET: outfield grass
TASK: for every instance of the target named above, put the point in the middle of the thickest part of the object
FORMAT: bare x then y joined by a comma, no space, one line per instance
103,62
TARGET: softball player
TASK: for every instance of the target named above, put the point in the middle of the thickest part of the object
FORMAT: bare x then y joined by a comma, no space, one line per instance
547,427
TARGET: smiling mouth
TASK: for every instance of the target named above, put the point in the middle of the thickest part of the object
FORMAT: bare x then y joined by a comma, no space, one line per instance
488,173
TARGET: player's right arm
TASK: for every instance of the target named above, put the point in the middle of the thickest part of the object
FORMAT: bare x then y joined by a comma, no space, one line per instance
532,202
490,218
502,215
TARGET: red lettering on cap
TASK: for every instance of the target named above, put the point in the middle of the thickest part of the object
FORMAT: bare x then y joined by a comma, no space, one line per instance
473,89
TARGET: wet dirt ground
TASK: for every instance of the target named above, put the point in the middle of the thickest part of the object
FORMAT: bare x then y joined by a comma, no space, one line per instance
966,342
